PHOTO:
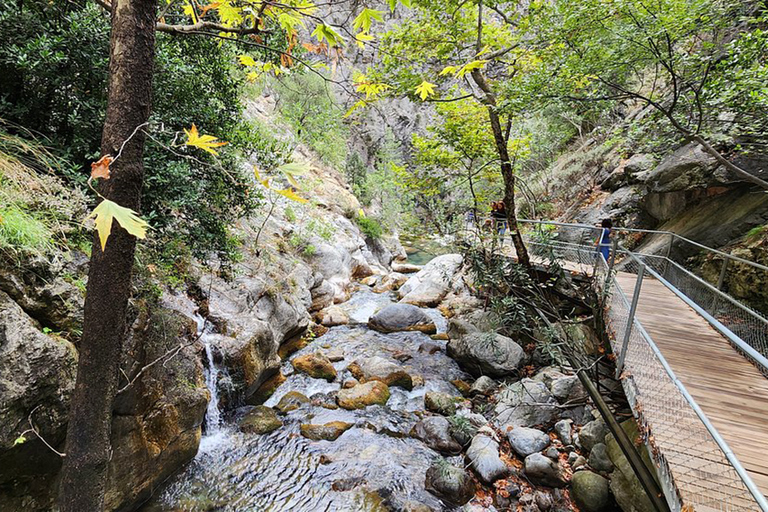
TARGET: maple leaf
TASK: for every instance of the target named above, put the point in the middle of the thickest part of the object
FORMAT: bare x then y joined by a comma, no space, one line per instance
107,211
246,60
365,19
100,168
204,142
425,90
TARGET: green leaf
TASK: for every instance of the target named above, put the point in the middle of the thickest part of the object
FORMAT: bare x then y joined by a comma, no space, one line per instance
107,211
20,440
366,17
425,90
326,32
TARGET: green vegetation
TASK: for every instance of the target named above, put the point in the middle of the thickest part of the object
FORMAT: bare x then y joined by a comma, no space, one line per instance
370,227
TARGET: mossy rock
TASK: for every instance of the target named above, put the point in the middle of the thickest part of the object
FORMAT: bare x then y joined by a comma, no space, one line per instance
327,432
260,420
291,401
315,365
363,395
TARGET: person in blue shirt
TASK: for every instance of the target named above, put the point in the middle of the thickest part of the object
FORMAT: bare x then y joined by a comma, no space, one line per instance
604,242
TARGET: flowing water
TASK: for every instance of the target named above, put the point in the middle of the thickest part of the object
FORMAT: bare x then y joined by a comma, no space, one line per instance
371,467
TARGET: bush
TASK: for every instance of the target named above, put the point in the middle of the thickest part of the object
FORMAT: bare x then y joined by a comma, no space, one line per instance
370,227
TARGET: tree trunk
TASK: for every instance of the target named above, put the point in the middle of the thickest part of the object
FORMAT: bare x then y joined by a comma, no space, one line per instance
88,450
507,171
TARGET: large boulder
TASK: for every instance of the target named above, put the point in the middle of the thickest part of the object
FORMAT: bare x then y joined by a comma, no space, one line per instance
590,491
483,453
449,483
402,317
315,365
542,470
434,431
526,441
363,395
592,433
487,354
625,486
333,316
431,284
525,404
37,373
378,368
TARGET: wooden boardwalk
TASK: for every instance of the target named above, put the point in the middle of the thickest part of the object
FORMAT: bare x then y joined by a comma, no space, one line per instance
732,393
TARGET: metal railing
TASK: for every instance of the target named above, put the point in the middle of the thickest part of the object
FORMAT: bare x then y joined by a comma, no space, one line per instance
695,465
742,325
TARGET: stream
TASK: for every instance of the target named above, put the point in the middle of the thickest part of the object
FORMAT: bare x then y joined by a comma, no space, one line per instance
373,466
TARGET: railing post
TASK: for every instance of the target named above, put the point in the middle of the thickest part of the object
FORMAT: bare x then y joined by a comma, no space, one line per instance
630,319
669,253
721,280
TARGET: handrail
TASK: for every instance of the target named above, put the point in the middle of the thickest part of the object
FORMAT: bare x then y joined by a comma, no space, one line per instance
651,231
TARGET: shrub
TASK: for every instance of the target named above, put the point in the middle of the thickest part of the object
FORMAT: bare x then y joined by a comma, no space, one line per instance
370,227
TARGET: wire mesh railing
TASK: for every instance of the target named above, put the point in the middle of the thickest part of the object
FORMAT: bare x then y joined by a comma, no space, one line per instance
697,469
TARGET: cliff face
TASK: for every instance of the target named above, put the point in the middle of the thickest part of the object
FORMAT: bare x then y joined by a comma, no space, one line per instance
293,261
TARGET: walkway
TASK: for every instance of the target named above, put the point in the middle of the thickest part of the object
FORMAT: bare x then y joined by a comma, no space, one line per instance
729,389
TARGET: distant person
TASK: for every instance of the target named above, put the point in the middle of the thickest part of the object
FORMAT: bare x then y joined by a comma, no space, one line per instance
604,241
499,214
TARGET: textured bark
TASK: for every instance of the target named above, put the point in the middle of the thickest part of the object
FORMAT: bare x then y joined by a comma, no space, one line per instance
88,450
507,171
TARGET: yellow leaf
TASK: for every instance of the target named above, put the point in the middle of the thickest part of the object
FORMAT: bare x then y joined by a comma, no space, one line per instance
425,90
246,60
290,194
204,142
107,211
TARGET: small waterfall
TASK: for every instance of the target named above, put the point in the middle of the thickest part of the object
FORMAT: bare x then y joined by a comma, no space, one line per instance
212,414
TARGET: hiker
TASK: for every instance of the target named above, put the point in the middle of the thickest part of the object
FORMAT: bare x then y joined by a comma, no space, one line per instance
499,215
604,241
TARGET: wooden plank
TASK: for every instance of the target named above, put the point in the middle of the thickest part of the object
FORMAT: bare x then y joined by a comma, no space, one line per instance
728,388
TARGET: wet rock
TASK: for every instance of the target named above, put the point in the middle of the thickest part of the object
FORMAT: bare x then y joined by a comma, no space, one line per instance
542,470
260,420
428,286
402,317
325,400
599,460
483,453
315,365
435,433
333,316
484,385
524,404
327,432
363,395
267,389
526,441
291,401
449,482
441,403
487,354
378,368
563,431
590,491
592,433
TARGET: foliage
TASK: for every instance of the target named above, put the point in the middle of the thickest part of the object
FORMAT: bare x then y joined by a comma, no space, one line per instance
370,227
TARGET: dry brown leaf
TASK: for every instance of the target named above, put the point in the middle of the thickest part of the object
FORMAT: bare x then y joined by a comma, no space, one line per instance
100,168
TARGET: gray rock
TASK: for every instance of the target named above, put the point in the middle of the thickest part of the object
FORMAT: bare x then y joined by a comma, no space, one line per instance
333,316
542,470
434,431
599,460
625,486
483,385
524,404
590,491
458,327
487,354
428,286
525,441
563,431
402,317
568,389
462,429
483,453
592,433
378,368
553,453
449,482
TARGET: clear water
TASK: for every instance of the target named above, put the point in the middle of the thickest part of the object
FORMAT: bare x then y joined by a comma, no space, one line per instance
373,466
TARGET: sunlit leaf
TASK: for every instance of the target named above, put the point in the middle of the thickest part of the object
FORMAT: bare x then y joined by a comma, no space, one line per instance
107,211
425,90
100,168
366,17
246,60
290,194
204,142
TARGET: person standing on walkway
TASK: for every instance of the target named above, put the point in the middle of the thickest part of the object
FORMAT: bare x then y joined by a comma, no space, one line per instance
604,241
499,214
